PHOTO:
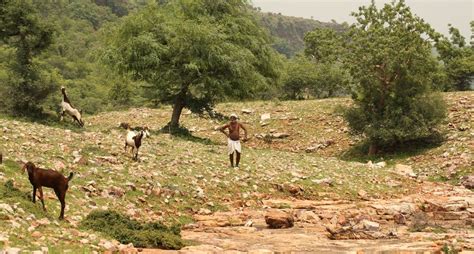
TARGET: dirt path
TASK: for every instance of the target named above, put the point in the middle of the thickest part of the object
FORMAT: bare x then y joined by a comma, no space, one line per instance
442,215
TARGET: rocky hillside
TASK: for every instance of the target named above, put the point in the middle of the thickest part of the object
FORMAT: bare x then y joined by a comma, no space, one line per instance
289,31
300,161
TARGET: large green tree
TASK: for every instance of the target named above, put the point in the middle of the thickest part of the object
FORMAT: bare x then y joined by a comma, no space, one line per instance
193,53
389,57
22,29
458,60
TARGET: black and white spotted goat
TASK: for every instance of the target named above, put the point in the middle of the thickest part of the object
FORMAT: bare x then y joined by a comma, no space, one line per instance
66,107
134,140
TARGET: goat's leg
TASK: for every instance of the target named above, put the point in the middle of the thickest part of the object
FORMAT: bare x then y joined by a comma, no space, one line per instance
61,196
136,155
77,121
40,189
34,194
62,115
125,148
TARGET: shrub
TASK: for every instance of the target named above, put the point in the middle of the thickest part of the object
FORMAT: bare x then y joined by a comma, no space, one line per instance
126,230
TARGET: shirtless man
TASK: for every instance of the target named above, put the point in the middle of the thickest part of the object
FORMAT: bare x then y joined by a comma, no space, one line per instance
233,141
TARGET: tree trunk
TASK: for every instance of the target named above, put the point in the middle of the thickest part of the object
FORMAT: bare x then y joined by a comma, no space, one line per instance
178,106
372,149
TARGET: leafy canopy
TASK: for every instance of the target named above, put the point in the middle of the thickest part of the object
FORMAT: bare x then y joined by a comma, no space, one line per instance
23,30
195,53
389,57
458,60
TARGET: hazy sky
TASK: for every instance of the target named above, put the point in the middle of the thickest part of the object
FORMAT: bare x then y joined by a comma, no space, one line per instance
439,13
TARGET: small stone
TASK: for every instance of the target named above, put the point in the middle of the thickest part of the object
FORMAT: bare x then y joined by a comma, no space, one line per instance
280,135
36,234
265,117
404,170
204,211
370,225
247,111
327,181
13,251
6,207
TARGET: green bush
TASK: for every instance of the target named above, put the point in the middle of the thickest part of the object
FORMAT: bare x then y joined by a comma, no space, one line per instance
126,230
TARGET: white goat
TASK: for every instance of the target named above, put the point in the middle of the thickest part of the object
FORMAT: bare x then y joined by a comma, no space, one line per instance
134,140
67,107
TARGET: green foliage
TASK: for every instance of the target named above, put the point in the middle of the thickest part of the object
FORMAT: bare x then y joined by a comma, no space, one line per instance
323,45
305,78
126,230
23,29
458,59
194,53
389,58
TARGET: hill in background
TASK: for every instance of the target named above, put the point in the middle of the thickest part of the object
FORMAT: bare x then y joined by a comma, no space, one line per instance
289,31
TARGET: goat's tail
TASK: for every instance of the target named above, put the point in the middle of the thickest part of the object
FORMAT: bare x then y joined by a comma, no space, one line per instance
70,176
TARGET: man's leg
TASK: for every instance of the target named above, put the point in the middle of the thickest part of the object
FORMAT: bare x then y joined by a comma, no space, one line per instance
237,159
231,158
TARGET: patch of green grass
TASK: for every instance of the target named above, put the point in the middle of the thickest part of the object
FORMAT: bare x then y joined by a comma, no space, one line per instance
126,230
10,194
90,149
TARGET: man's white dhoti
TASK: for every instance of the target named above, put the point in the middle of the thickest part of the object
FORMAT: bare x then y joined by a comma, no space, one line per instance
234,145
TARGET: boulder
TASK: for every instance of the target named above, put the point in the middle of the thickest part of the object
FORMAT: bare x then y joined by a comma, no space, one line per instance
279,219
468,181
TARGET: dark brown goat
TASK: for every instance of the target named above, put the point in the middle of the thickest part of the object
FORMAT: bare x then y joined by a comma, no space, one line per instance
48,178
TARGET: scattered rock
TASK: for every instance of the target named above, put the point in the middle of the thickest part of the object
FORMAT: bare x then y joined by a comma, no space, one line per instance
6,208
404,170
36,234
116,191
205,248
249,223
322,145
261,251
327,181
279,219
363,195
377,165
204,211
59,165
468,181
108,246
247,111
307,216
279,135
13,251
265,117
370,225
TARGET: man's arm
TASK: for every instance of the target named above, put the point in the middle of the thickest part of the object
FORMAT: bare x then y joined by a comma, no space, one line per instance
223,128
245,131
